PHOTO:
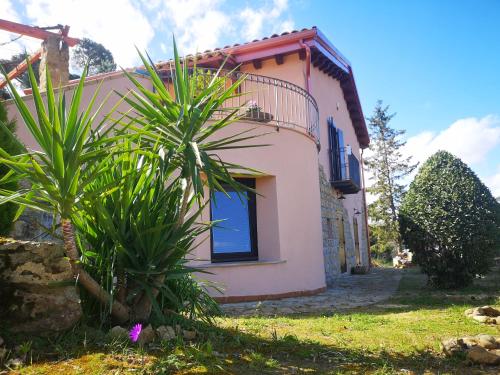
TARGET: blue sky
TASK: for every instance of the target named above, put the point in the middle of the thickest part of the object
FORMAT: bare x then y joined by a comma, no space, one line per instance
436,62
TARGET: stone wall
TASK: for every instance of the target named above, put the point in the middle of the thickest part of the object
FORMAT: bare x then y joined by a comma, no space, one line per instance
37,289
331,211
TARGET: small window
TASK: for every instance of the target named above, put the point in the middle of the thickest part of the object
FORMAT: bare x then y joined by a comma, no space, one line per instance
235,237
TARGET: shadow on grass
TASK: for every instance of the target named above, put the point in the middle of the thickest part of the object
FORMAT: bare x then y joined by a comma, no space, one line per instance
219,350
231,350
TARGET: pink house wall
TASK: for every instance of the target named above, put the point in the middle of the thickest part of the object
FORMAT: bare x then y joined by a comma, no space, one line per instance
288,218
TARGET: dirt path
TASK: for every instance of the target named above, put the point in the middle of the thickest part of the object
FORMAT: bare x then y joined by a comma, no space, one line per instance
349,291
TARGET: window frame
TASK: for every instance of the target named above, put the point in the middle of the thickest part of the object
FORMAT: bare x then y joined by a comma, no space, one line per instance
252,222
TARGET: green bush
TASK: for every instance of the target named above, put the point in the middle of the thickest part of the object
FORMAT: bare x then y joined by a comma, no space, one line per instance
10,145
450,221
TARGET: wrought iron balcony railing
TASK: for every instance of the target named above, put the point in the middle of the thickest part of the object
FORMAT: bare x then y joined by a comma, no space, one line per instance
268,100
346,175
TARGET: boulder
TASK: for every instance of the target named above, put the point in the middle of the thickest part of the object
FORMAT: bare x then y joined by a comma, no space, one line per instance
488,311
147,335
118,333
38,291
482,356
165,333
189,335
485,314
487,342
14,363
480,349
3,354
453,346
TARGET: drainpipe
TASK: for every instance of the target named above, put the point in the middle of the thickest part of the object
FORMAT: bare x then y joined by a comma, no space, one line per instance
308,64
365,207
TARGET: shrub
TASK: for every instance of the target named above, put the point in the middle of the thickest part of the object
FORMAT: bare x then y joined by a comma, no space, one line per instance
10,145
449,220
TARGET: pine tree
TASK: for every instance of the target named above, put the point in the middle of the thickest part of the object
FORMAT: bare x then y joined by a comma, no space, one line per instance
7,211
388,168
95,56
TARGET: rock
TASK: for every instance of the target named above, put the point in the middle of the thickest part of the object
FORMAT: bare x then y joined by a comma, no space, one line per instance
487,341
470,341
165,333
482,356
189,335
38,293
488,311
482,318
3,354
1,341
485,314
118,333
147,335
14,363
451,347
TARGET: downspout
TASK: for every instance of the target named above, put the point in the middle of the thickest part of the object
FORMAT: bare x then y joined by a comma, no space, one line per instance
308,64
365,207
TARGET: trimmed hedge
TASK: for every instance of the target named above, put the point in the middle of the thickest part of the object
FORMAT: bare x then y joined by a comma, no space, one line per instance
450,221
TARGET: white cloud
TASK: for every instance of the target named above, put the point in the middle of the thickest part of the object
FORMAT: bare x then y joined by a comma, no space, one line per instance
255,20
9,44
493,182
117,24
470,139
197,24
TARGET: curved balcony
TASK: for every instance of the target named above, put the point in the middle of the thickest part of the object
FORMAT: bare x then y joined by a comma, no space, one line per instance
268,100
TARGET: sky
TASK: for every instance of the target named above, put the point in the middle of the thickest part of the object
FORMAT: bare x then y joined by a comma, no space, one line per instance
435,62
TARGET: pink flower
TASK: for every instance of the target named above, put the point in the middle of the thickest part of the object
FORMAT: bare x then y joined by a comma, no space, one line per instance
135,332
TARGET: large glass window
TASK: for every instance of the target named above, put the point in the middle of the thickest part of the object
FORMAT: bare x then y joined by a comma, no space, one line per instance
235,236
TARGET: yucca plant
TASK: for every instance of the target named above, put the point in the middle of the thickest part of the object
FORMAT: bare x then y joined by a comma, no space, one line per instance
132,235
58,171
185,125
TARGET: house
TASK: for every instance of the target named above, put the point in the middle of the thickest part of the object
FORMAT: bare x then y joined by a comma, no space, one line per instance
307,225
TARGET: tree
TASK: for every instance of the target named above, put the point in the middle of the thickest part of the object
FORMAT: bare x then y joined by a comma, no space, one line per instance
388,168
450,221
98,58
10,145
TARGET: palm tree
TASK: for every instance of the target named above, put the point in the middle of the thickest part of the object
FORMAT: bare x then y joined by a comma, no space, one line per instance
184,126
58,171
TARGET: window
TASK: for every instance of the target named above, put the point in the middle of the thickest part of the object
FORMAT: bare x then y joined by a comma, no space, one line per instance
337,152
235,237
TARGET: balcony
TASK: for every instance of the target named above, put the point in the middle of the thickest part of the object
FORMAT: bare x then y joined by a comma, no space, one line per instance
267,100
346,173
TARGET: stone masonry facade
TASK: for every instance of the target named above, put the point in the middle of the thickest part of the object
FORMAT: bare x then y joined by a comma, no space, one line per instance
332,212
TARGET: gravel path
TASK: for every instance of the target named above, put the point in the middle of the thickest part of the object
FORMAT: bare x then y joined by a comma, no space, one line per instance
350,291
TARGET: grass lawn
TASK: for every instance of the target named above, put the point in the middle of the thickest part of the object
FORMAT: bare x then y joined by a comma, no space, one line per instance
401,336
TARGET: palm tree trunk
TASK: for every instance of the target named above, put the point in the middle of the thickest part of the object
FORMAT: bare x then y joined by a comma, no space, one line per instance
142,310
118,311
